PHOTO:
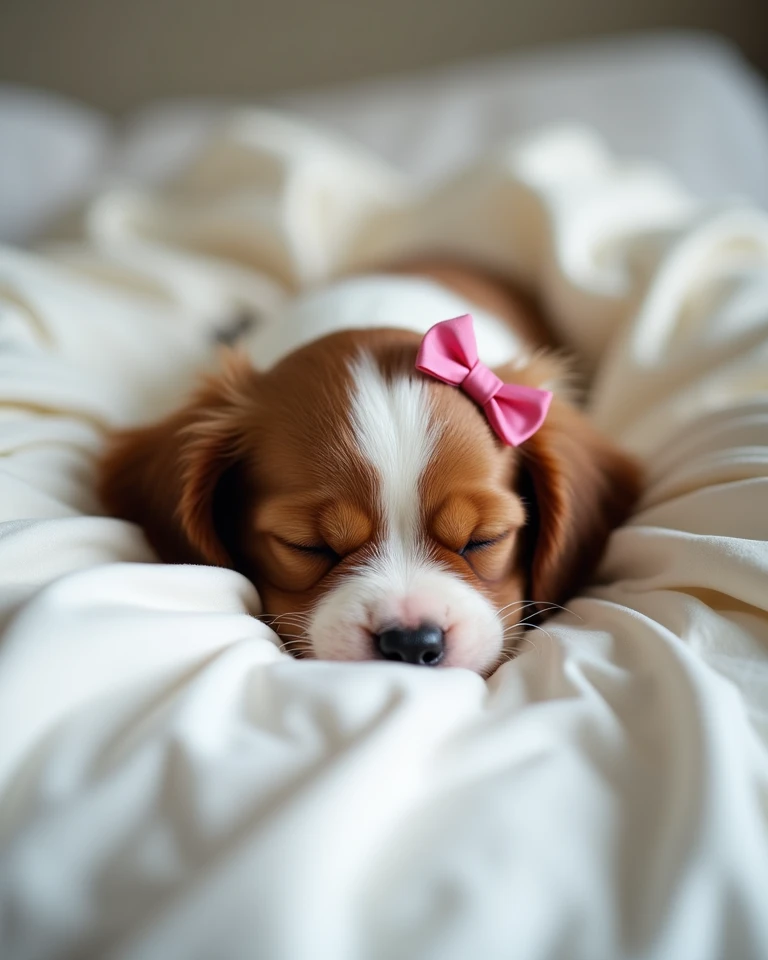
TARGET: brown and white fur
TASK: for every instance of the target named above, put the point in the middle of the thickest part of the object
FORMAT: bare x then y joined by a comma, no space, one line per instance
365,500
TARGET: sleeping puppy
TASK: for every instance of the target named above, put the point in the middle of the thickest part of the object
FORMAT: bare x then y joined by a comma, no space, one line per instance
389,496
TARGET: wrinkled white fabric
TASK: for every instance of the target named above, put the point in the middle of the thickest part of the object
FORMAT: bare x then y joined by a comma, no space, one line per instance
172,785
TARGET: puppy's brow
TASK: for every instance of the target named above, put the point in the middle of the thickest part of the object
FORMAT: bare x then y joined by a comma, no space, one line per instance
345,527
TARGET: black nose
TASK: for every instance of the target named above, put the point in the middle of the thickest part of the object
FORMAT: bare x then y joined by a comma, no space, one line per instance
424,645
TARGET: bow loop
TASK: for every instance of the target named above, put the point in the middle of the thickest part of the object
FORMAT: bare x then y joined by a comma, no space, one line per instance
448,353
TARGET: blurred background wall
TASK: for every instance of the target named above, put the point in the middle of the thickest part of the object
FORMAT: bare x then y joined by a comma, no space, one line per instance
120,53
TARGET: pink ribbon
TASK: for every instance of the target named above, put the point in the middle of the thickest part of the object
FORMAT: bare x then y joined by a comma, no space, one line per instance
448,353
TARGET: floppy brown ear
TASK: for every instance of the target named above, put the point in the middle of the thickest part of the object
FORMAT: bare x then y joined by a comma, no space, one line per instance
164,477
581,487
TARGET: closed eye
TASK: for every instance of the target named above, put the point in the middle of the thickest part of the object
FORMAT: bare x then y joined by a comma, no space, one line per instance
480,544
313,549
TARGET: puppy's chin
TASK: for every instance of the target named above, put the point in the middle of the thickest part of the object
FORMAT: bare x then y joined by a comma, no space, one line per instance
349,619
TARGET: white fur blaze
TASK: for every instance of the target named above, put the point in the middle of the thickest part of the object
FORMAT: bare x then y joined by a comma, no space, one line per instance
402,584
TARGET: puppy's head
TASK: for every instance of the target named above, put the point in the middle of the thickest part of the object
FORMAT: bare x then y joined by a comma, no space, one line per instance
374,508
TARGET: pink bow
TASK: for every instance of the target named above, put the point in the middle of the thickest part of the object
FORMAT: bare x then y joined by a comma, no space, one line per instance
448,353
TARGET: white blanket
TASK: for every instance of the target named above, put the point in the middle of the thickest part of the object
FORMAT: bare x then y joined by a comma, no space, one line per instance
171,785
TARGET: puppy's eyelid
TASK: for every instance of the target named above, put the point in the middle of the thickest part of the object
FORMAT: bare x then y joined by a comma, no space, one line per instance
481,543
315,549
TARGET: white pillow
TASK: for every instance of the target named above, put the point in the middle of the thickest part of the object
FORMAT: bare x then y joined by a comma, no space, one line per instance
51,148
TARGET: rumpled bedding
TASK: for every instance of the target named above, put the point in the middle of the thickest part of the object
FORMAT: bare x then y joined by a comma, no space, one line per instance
173,785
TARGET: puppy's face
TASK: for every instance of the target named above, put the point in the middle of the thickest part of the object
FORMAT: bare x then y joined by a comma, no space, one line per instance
380,516
373,507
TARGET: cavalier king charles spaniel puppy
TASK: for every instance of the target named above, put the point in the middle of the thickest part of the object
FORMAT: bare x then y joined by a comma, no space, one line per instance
395,464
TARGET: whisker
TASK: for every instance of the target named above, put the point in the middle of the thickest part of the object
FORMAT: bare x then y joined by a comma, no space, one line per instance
287,613
295,647
296,616
542,630
528,621
518,603
286,627
288,621
543,609
524,634
558,606
294,637
505,657
527,640
511,645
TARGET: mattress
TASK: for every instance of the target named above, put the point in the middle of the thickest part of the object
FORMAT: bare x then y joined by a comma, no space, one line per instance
173,785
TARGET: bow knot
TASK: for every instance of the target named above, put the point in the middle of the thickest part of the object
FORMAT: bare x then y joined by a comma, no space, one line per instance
448,353
481,384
